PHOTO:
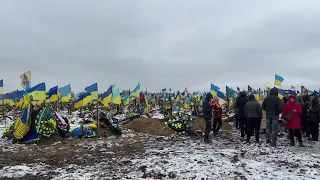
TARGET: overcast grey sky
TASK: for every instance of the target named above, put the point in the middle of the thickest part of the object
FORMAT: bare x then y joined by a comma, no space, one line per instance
160,43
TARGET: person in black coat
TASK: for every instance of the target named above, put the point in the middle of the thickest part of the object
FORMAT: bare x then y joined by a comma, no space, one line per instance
207,115
305,101
241,102
313,117
273,107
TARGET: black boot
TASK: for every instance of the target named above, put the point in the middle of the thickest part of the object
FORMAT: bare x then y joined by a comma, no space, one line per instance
207,141
292,144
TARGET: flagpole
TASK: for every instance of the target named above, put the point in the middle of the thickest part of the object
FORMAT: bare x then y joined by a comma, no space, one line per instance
98,120
3,110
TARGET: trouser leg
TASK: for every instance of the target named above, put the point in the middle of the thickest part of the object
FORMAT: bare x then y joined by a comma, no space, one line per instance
219,124
215,123
291,135
269,128
242,126
208,129
298,134
257,129
275,129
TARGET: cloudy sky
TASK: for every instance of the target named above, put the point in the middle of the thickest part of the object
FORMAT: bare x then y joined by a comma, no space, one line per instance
160,43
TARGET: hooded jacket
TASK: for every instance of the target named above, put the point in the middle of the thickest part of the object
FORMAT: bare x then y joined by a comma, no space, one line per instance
241,103
294,123
206,106
305,104
272,104
313,111
253,108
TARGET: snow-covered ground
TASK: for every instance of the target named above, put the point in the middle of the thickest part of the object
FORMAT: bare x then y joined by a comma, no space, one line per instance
141,156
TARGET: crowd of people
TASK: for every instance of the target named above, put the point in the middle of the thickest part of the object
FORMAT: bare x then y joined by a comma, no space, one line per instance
300,115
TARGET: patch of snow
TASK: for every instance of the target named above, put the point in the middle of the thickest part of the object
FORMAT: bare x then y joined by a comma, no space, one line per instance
21,170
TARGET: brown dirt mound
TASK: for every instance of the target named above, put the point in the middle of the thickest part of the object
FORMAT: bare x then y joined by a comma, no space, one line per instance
158,127
200,125
150,126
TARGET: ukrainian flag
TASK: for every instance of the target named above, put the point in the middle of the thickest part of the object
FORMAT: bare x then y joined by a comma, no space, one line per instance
65,93
256,95
78,102
93,90
53,94
126,100
20,98
281,93
38,92
116,98
10,98
221,97
1,92
183,95
214,90
107,97
136,91
186,103
278,80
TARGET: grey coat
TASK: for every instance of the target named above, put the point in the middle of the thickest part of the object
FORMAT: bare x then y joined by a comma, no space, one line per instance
253,109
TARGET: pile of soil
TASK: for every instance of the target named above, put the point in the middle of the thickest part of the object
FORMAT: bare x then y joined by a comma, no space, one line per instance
200,125
150,126
158,127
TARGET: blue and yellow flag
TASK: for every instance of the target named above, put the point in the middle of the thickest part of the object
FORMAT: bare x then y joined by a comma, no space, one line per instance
38,93
221,97
267,90
65,93
281,93
78,103
93,90
107,97
278,80
126,100
86,98
10,98
52,95
1,92
116,98
136,91
214,90
25,79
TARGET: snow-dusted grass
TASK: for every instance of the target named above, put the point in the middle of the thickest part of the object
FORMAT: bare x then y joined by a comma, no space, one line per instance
22,170
182,158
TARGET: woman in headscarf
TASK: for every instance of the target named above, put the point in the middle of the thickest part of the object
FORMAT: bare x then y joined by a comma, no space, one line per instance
291,114
216,114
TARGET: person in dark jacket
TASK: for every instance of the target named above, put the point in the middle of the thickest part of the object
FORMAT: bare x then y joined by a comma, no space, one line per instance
313,117
236,115
207,115
242,99
273,107
253,113
305,101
